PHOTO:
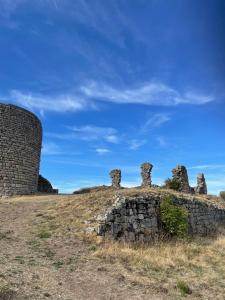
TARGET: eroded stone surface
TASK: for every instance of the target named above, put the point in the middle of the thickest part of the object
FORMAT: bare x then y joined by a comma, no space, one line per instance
20,148
146,169
116,178
137,218
201,184
181,176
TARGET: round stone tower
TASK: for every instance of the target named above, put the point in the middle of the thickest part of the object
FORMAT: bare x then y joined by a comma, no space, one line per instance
20,149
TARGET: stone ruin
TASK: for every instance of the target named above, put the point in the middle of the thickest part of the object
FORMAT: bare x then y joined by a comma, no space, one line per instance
201,187
116,178
146,169
137,218
20,149
181,176
44,186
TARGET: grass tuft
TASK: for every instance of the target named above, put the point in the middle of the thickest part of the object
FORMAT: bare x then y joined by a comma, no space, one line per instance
183,288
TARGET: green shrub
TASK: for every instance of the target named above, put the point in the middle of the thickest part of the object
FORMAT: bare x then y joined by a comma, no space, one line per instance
44,234
174,218
222,195
172,184
183,288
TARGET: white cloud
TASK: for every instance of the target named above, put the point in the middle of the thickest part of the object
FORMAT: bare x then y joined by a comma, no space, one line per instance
88,133
50,149
41,103
112,139
155,121
151,93
102,151
207,167
136,144
91,132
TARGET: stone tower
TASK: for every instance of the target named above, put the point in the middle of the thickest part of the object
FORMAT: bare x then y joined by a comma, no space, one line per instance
181,176
20,149
201,184
146,169
116,178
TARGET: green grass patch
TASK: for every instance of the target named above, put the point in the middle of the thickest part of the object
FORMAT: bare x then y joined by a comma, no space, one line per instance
184,288
58,264
172,184
174,218
44,233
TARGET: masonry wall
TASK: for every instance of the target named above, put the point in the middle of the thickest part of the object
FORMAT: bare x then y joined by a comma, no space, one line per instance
20,148
137,218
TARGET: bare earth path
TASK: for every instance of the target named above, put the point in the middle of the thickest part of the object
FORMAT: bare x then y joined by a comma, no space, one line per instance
36,266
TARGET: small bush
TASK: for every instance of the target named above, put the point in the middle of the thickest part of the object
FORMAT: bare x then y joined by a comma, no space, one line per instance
183,288
222,195
44,234
174,218
172,184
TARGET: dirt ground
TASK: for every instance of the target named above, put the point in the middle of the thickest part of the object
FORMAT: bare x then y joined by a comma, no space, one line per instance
37,265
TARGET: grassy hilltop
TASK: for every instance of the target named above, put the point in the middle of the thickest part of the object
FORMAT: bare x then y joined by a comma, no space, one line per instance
48,250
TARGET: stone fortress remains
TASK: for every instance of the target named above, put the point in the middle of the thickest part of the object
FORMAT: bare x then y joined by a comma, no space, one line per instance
20,149
130,218
136,218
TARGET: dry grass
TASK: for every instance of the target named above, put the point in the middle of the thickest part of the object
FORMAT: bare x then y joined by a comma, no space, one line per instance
163,268
198,263
160,266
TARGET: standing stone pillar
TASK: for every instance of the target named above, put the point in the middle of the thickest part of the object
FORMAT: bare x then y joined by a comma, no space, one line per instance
116,178
146,169
181,176
201,184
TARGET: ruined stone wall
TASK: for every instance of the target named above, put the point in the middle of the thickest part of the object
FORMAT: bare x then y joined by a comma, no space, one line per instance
137,218
20,147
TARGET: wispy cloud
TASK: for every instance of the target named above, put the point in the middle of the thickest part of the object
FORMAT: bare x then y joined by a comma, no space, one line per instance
58,103
88,96
151,93
155,120
136,144
207,167
50,148
88,133
102,151
91,132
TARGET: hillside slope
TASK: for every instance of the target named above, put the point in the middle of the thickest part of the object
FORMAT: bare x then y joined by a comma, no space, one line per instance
48,251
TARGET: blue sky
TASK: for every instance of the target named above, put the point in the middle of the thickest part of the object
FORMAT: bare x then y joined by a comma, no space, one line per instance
119,82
